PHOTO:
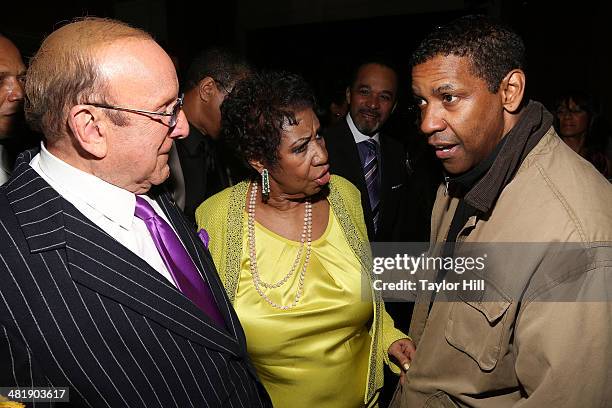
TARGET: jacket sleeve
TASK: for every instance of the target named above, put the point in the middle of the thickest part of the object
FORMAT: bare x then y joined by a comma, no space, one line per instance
564,349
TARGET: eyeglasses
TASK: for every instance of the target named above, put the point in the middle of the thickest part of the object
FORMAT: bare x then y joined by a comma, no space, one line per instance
178,105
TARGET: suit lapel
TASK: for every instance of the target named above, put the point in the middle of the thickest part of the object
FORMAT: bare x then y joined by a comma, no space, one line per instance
99,262
350,158
348,162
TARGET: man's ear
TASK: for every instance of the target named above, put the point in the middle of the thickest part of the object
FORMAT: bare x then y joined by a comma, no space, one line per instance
512,89
206,89
348,95
88,130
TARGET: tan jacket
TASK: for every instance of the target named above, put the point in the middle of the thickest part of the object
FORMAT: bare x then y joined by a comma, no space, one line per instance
526,347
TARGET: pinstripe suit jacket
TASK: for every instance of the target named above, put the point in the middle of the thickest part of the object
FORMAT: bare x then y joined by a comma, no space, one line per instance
78,309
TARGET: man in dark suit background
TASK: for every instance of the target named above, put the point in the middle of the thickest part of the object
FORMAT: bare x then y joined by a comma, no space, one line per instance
201,167
372,97
395,204
104,287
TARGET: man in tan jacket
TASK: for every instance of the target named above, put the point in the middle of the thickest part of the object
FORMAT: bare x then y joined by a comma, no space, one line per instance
537,331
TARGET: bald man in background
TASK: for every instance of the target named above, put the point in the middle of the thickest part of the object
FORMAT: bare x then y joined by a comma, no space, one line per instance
12,76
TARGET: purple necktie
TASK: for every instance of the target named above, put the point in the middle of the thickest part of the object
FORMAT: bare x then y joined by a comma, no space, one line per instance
177,260
370,171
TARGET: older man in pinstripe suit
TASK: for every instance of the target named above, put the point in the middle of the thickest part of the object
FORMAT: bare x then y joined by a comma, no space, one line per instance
89,297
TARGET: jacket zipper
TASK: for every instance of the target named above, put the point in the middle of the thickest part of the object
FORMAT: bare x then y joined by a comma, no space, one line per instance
446,181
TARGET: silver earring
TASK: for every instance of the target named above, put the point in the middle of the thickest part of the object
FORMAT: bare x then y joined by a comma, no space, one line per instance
265,183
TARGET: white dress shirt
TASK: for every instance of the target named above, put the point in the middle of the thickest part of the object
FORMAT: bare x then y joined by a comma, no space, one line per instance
5,169
109,207
360,137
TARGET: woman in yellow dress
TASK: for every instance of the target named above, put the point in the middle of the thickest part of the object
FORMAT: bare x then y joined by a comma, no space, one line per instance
290,245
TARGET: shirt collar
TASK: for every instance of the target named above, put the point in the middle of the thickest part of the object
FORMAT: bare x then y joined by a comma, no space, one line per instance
110,201
4,159
359,137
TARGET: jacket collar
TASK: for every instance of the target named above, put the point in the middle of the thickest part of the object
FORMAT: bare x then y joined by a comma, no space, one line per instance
37,206
533,124
459,185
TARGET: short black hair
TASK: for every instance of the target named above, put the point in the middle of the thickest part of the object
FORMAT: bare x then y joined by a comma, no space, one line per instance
254,114
223,65
375,60
493,48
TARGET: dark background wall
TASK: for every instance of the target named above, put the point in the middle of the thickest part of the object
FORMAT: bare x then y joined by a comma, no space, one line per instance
569,46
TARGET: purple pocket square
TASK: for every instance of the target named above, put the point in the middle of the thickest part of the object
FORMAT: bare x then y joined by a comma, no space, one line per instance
204,237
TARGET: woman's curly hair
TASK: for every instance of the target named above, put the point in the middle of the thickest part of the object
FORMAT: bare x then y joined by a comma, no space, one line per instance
254,115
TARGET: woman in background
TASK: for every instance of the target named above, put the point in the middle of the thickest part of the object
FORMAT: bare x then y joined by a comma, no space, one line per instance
579,126
290,245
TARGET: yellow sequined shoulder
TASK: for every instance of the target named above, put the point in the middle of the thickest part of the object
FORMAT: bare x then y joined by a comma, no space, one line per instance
221,216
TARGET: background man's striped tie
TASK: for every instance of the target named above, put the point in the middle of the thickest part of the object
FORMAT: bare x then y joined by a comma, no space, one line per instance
370,170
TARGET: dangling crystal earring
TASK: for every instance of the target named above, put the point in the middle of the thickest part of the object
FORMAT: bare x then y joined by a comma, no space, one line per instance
265,184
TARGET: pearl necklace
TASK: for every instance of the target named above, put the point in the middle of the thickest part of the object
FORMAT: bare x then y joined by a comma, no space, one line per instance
306,237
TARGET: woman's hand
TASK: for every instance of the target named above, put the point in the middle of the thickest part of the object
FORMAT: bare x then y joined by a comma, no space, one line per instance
402,352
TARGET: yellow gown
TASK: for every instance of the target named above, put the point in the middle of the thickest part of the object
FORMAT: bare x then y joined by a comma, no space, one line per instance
331,295
316,354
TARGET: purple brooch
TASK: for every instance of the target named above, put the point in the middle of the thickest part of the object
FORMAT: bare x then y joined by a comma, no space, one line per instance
204,237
